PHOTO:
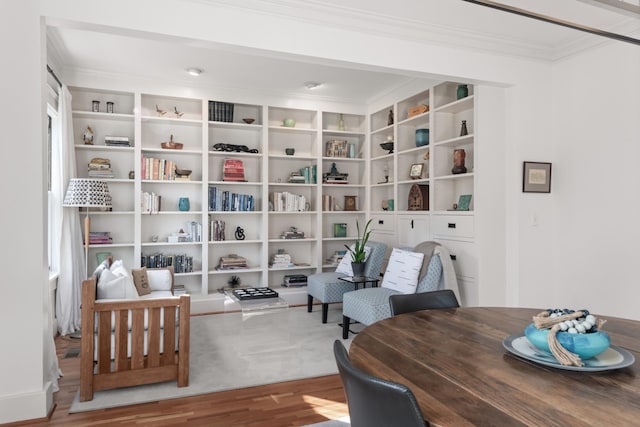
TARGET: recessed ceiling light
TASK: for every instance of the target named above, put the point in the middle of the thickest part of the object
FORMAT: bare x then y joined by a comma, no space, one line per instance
194,71
311,85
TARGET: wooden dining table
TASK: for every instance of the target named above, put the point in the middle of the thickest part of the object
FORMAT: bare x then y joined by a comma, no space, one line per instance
455,363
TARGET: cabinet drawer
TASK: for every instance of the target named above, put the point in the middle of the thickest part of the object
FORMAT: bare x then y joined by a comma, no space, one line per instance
452,226
383,223
463,256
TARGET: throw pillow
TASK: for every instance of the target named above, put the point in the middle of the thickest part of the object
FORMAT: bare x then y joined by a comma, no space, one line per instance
402,271
104,265
115,286
345,263
141,280
160,279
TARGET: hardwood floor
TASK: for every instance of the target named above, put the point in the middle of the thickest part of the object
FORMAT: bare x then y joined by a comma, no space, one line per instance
288,404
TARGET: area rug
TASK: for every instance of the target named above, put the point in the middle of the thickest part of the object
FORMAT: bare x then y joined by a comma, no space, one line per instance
236,350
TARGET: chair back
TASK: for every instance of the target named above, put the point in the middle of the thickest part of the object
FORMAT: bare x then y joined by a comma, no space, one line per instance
408,303
375,260
373,401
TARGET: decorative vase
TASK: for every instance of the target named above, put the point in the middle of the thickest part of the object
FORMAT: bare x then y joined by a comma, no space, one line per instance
341,122
462,92
422,137
458,161
358,269
463,128
183,204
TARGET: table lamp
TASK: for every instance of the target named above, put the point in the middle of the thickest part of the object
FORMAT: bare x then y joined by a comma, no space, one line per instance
87,193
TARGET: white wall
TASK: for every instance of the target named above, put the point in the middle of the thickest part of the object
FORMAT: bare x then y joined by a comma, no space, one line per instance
584,120
596,192
23,390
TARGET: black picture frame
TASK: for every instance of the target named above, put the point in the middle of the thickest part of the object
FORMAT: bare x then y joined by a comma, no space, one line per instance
415,172
536,177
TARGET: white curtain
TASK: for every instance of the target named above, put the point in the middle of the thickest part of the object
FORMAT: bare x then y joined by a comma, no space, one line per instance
72,269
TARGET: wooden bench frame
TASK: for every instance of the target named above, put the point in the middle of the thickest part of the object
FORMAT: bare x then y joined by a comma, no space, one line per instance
156,366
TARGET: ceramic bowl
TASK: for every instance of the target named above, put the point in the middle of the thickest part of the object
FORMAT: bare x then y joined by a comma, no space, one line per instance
248,120
289,123
387,146
584,345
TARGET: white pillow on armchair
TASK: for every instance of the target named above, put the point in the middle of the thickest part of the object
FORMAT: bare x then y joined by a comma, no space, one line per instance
403,271
345,263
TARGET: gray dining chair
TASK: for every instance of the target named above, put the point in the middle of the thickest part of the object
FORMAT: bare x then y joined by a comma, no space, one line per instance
408,303
373,401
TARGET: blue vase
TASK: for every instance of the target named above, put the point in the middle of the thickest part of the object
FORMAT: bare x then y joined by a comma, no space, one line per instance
422,137
183,204
462,91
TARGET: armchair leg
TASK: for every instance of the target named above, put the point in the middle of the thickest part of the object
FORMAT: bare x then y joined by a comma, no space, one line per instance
309,303
345,327
325,312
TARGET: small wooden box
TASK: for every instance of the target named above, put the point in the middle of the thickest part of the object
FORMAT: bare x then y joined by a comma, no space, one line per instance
420,109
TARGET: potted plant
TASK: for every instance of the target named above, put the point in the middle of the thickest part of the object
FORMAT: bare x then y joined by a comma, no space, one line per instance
358,253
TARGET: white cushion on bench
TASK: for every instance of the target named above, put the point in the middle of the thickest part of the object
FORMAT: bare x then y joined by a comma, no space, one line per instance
116,285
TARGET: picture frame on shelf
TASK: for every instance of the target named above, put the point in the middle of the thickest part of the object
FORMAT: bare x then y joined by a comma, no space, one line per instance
415,172
536,177
464,201
340,229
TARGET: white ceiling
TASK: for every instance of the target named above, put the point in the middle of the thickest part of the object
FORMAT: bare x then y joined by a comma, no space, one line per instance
453,22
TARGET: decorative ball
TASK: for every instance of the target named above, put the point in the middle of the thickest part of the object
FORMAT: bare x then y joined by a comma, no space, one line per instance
584,345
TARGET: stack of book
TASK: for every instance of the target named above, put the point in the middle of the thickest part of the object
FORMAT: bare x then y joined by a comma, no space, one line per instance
292,234
179,290
281,260
298,178
336,257
294,280
117,141
100,168
232,262
233,170
220,111
342,178
99,238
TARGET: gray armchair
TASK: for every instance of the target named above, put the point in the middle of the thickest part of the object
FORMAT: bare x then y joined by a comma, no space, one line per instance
326,287
372,304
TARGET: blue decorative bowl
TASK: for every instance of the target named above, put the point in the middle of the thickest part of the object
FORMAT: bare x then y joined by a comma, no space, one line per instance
422,137
584,345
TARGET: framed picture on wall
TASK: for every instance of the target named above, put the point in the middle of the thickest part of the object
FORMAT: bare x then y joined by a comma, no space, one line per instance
536,177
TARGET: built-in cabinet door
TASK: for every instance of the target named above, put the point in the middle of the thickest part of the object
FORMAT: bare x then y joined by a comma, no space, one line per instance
412,229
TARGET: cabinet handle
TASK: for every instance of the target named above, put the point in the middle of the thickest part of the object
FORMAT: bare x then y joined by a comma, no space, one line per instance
381,222
451,225
411,223
453,257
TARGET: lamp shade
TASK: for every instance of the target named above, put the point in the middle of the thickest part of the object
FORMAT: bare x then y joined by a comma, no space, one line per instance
84,192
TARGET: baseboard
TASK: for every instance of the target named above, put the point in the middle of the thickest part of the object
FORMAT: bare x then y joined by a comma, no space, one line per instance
27,406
